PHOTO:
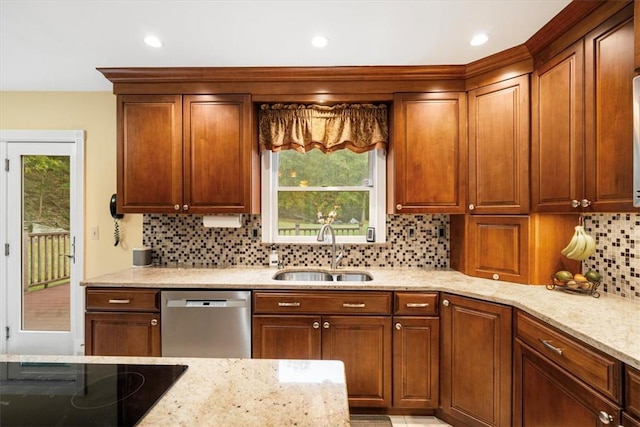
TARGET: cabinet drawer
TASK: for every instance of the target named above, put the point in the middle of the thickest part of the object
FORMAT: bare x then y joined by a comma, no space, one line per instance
416,303
597,369
123,300
632,391
322,302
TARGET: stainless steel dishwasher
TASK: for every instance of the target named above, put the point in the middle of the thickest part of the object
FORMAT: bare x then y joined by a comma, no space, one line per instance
206,323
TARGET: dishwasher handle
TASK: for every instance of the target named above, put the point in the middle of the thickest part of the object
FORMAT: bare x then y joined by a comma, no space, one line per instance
206,303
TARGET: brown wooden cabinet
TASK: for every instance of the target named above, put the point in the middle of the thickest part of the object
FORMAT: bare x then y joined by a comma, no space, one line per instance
352,327
475,362
561,381
187,153
429,153
582,123
416,347
514,248
499,147
631,416
122,322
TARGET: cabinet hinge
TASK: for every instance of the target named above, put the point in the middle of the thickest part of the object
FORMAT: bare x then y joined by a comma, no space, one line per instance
6,165
6,249
6,330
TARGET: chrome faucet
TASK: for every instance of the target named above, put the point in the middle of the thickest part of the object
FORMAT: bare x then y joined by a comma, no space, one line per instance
335,260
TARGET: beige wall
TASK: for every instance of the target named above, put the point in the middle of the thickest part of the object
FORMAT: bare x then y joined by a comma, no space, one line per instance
95,113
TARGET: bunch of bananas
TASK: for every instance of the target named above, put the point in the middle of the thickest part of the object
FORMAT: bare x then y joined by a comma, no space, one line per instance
581,246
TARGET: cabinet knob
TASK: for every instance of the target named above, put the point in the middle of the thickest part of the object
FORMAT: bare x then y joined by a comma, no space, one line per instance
398,326
316,325
575,203
154,322
585,203
185,207
445,302
399,207
604,417
495,276
472,206
176,207
325,325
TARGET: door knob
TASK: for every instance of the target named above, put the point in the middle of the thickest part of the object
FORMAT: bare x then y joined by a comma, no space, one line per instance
185,207
176,207
398,326
316,325
445,303
325,325
399,207
472,207
575,203
585,203
154,322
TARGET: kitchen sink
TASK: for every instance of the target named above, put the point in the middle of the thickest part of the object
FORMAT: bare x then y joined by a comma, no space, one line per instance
323,276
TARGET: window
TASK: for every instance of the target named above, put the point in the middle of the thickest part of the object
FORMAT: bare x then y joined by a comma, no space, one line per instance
301,191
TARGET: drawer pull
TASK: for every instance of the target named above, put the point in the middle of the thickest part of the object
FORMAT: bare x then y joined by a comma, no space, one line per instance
288,304
605,418
119,301
417,304
353,305
550,347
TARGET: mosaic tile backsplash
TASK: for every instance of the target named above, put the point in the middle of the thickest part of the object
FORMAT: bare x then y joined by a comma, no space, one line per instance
617,256
181,240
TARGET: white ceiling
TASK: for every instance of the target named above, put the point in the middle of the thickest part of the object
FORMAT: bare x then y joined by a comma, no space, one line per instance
57,44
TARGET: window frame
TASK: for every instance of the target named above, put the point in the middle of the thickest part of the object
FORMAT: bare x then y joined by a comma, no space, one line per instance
377,201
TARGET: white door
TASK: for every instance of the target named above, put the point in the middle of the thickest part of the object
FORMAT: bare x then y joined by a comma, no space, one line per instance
42,209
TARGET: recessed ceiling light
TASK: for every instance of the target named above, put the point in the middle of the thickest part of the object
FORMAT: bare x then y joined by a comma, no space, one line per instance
479,39
153,41
319,41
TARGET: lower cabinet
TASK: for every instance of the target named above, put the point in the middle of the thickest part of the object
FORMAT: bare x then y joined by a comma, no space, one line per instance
475,362
352,327
416,345
631,415
122,322
560,381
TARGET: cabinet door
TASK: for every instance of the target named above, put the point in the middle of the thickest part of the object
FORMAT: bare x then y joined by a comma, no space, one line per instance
609,72
499,245
217,153
363,343
475,362
122,334
546,395
416,353
430,153
149,153
499,148
286,337
557,168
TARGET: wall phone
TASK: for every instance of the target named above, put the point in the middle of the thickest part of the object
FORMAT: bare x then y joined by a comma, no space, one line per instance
116,217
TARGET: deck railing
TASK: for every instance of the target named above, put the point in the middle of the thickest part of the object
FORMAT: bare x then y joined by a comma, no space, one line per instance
297,230
45,259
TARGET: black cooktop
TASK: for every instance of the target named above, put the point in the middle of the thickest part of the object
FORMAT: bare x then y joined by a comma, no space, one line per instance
81,394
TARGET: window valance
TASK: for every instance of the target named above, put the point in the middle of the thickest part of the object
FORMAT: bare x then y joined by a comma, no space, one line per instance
357,127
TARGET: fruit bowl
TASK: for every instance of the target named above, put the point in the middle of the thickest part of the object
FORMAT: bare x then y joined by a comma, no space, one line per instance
575,286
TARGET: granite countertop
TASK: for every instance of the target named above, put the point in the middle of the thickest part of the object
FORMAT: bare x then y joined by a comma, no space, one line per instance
240,392
608,323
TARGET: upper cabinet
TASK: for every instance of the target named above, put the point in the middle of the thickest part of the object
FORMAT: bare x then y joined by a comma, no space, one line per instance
582,123
499,147
429,152
189,154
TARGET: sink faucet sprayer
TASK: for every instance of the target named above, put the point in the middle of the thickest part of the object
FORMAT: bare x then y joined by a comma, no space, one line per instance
335,260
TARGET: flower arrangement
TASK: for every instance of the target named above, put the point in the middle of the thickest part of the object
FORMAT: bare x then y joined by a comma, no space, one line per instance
329,217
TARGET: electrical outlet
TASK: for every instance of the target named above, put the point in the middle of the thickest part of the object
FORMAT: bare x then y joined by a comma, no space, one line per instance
255,233
95,233
411,233
441,232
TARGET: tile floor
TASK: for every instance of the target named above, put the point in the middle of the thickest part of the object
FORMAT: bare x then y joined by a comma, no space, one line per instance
416,421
